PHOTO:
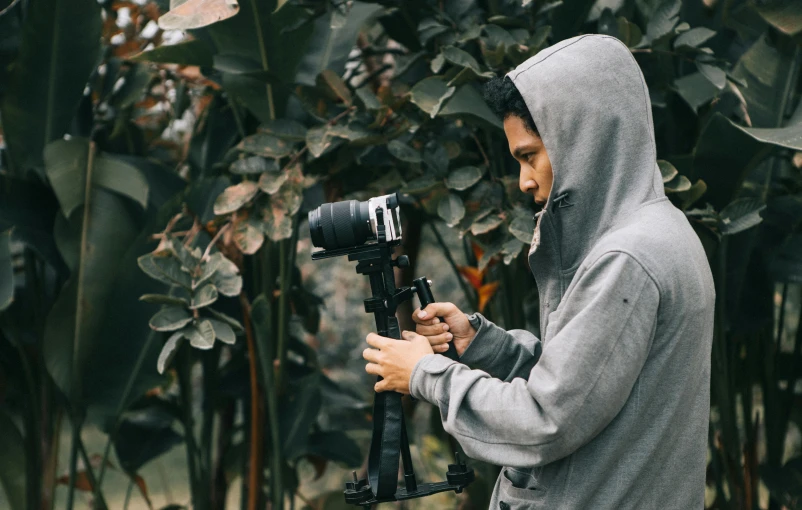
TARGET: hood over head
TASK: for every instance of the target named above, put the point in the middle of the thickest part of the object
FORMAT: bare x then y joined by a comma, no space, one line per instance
591,106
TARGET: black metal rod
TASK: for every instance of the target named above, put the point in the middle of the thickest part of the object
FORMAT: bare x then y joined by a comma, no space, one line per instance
410,482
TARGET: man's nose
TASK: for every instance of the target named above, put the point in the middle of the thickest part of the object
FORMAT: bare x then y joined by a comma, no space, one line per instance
526,183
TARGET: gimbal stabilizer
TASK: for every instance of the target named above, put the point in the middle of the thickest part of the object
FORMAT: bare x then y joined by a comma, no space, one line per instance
389,430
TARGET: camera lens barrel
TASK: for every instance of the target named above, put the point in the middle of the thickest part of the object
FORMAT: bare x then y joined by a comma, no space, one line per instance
340,224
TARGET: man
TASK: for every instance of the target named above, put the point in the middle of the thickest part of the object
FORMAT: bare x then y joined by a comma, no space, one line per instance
609,409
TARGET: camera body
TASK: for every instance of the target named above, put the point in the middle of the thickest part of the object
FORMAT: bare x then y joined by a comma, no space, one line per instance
351,223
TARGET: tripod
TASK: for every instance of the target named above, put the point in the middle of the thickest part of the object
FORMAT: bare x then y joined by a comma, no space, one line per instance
389,430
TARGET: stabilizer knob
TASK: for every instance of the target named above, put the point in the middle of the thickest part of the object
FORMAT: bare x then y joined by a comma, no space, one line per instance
459,474
358,491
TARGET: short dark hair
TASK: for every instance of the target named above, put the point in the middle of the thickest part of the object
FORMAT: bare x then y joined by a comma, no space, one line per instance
503,98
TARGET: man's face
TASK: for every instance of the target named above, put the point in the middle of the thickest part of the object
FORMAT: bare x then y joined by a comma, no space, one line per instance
528,149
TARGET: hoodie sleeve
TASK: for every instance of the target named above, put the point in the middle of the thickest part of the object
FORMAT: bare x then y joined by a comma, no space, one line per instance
502,354
582,380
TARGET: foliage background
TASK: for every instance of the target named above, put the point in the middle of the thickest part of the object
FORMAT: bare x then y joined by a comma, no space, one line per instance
158,305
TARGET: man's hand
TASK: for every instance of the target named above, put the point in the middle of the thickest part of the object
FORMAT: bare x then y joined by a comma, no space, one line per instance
457,327
394,360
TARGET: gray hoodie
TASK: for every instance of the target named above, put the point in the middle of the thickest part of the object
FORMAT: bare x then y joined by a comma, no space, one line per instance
609,409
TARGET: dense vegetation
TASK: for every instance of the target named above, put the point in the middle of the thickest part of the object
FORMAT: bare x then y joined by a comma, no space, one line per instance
154,188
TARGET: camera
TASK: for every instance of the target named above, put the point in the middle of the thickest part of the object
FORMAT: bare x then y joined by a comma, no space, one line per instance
351,223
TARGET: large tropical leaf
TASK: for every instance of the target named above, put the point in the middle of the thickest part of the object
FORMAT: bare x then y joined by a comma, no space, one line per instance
332,41
93,240
274,41
766,68
60,48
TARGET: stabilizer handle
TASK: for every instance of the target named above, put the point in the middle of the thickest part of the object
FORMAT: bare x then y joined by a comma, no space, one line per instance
424,290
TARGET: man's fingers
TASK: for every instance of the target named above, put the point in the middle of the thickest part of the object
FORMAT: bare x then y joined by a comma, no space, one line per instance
377,341
437,310
371,355
374,369
442,338
428,321
380,386
440,348
437,329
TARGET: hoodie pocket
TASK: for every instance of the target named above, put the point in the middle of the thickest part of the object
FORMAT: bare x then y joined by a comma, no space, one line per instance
519,490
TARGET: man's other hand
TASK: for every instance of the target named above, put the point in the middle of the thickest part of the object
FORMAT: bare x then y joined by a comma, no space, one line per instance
394,360
457,327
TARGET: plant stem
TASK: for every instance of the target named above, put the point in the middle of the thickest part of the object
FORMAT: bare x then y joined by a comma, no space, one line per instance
90,474
210,362
185,385
255,464
128,493
76,438
469,296
282,313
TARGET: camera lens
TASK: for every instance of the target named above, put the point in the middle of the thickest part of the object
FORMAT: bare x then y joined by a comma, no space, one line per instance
340,224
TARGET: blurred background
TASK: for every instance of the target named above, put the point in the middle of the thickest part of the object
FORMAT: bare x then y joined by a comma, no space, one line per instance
166,340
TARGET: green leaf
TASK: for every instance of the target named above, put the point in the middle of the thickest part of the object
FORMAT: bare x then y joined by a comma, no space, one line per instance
162,299
187,53
203,296
766,69
694,37
234,197
248,236
220,316
266,145
523,228
276,223
285,129
467,103
144,439
663,20
461,58
170,318
784,15
726,152
60,48
739,215
422,184
299,408
169,350
253,165
223,331
331,42
465,177
451,209
258,30
6,271
200,334
270,182
430,93
334,86
667,170
677,183
163,266
712,72
696,90
227,279
404,152
486,224
198,13
66,162
71,328
12,463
